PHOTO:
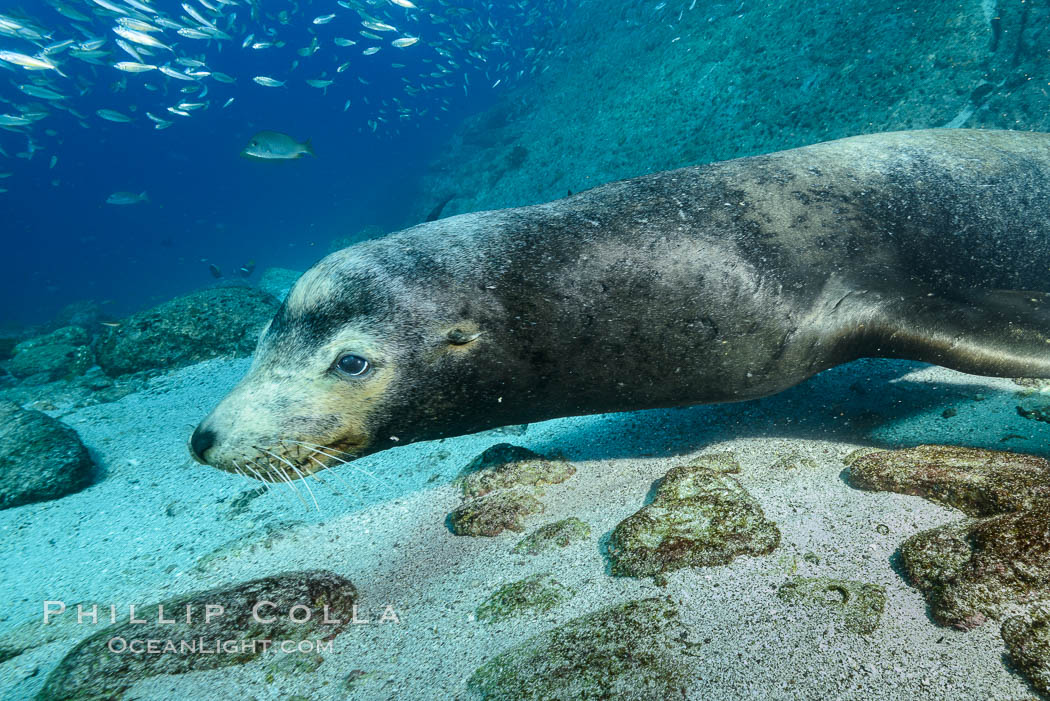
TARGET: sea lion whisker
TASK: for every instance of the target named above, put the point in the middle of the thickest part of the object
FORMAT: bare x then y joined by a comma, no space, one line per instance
325,482
239,471
242,471
314,446
302,477
353,465
333,473
285,479
267,485
382,482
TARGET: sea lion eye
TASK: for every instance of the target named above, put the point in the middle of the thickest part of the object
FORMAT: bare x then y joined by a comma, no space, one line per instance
353,365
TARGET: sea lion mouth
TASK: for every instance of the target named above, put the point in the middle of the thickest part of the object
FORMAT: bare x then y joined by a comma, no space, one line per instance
288,460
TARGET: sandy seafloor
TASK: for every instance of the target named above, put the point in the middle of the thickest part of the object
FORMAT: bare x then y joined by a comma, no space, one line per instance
136,535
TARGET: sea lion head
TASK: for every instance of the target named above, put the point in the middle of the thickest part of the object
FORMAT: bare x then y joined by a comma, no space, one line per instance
367,352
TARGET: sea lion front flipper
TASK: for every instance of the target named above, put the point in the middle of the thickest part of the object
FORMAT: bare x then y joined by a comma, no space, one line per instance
1000,333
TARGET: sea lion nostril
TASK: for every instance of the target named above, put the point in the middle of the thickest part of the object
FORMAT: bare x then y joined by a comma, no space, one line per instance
201,440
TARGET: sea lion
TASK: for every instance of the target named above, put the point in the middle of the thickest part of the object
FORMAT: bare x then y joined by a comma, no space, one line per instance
714,283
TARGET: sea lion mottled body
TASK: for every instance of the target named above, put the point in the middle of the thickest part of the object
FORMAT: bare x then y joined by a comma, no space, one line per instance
715,283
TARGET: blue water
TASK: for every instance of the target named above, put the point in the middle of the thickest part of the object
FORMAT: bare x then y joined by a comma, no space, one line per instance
207,205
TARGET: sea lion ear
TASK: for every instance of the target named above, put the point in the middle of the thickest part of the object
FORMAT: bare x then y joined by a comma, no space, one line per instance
459,336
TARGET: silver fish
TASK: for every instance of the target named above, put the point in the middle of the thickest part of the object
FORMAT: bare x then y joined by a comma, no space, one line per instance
113,116
127,198
140,38
172,73
13,120
41,92
191,33
133,67
30,63
268,82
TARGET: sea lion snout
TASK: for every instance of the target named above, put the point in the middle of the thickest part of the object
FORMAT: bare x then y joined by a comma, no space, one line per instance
201,441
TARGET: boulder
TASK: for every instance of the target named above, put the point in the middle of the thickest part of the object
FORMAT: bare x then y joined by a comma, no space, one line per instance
40,457
59,355
221,321
303,604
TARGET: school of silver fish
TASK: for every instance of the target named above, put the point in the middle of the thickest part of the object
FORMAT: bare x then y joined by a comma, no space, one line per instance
78,57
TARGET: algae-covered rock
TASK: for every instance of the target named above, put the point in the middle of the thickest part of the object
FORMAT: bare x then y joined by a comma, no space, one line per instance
975,481
62,354
628,651
502,485
558,534
1027,638
504,465
92,672
494,513
278,281
976,570
859,453
858,606
40,457
222,321
535,594
699,517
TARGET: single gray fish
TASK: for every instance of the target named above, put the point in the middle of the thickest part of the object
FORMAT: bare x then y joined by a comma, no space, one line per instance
273,145
127,198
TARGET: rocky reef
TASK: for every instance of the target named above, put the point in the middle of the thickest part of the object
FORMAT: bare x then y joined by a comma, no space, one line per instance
61,354
221,321
75,366
706,83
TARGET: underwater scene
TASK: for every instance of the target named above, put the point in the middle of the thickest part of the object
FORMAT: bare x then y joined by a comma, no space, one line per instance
538,349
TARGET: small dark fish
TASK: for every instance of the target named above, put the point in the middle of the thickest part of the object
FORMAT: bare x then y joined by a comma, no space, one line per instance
436,212
570,193
215,272
247,269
